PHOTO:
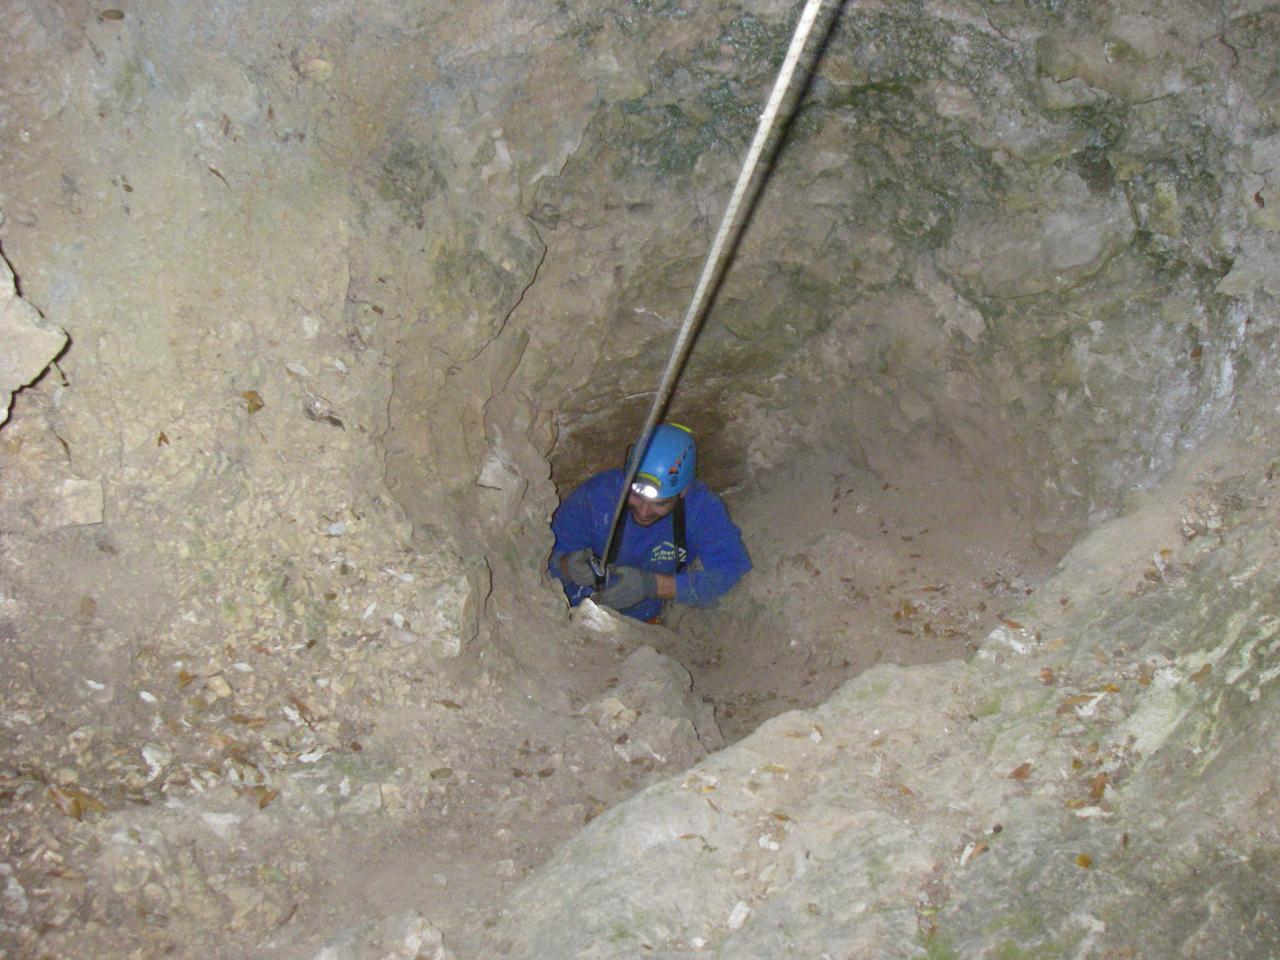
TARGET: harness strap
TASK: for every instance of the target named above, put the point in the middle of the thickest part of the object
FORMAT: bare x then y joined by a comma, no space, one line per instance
677,529
677,535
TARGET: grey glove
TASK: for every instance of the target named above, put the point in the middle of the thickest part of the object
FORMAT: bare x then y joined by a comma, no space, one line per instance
628,586
577,567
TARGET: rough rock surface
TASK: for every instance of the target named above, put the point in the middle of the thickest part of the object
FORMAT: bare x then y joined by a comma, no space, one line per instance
30,343
1096,782
342,286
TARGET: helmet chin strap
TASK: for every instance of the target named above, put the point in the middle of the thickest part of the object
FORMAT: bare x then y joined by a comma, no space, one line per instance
730,225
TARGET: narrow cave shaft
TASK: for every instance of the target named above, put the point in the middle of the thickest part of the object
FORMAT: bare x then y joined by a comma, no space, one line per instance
852,571
309,316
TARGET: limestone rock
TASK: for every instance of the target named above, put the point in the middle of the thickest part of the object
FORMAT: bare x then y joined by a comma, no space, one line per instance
30,342
1069,238
965,809
651,714
402,936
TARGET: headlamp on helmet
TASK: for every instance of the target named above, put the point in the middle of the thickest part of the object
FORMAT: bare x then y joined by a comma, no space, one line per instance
667,467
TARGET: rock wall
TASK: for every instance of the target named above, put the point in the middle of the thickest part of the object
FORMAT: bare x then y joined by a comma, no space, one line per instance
1097,782
990,235
341,286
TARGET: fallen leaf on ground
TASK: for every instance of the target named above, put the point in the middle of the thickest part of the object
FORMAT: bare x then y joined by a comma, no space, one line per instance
1098,787
1072,702
262,795
75,803
1020,772
252,400
1084,860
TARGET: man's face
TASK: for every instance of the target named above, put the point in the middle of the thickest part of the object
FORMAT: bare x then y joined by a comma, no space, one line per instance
648,512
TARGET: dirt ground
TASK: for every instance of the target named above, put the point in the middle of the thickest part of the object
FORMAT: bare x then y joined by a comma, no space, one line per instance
226,839
851,571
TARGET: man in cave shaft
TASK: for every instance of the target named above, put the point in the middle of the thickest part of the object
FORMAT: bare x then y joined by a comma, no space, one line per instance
676,542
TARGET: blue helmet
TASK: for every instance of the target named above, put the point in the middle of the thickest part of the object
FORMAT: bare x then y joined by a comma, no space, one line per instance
668,464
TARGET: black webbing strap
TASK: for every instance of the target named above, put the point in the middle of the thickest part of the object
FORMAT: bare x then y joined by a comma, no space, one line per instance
677,534
608,561
677,528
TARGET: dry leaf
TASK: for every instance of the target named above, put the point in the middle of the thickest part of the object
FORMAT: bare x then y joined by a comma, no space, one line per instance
227,746
247,721
780,816
253,401
1098,787
1021,772
1046,676
773,768
1201,673
162,440
1084,860
1077,699
261,794
450,704
443,773
111,14
75,803
184,678
1111,688
1011,624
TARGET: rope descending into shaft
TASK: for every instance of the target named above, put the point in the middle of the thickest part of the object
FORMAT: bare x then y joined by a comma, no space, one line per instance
729,226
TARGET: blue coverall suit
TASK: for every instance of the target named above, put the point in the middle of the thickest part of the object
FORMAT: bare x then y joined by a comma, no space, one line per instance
711,538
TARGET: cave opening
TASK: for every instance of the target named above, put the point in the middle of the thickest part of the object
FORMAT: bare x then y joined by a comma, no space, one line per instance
355,292
850,569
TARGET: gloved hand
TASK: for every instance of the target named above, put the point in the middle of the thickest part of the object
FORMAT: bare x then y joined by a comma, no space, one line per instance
626,587
577,566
